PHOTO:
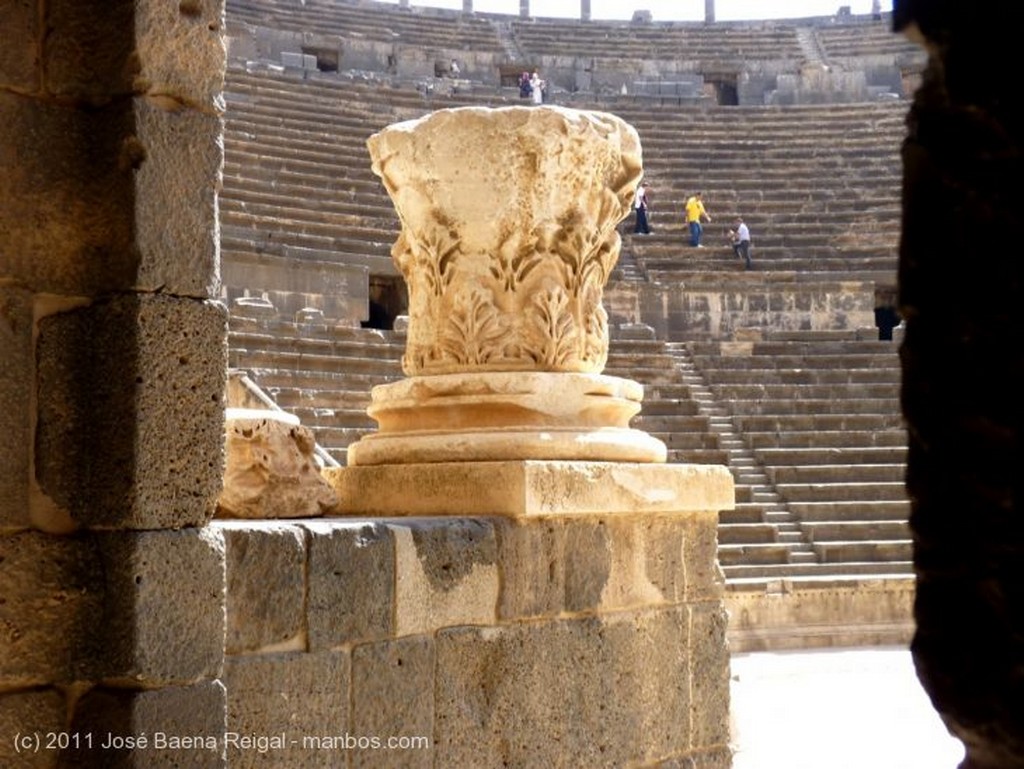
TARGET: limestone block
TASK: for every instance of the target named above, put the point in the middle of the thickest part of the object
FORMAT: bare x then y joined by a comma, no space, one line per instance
709,657
300,697
163,610
528,488
53,602
508,234
588,563
30,713
265,566
130,411
178,155
592,564
596,691
173,51
82,200
16,384
351,590
270,468
393,696
181,51
173,727
446,573
19,19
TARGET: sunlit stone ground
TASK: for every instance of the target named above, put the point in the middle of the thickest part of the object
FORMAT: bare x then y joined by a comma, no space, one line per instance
835,709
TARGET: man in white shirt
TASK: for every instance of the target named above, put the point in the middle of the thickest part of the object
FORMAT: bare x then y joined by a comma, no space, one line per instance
741,241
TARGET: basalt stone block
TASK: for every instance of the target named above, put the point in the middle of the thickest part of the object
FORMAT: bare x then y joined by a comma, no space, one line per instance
177,154
532,567
163,611
599,691
709,659
178,726
266,584
351,573
588,563
15,404
704,577
446,574
26,716
72,176
393,697
299,699
52,604
19,19
89,51
130,414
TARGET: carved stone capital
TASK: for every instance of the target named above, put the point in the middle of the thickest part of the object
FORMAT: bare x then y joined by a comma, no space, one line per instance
508,234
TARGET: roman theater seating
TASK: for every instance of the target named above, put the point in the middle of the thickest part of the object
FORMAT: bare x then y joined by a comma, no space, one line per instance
802,409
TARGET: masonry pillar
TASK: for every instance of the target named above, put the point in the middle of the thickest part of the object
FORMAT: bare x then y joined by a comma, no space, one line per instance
963,371
524,9
467,6
506,428
584,10
709,11
111,386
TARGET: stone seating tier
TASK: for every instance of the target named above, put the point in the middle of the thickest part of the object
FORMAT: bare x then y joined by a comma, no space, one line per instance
720,42
416,27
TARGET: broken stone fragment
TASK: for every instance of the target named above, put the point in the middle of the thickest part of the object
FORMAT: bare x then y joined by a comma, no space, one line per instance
271,470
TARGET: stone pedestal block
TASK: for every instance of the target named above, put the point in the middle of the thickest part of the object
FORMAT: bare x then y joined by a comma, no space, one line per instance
527,488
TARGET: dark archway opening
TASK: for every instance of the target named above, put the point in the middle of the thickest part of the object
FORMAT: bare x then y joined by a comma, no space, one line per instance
387,300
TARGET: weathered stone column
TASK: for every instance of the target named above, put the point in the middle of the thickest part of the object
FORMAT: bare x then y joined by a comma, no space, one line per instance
506,432
709,11
508,236
467,6
524,9
584,10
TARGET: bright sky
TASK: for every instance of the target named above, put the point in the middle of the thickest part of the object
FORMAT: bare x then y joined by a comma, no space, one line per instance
667,10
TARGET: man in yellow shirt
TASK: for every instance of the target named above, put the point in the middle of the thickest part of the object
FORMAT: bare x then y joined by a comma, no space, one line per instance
694,213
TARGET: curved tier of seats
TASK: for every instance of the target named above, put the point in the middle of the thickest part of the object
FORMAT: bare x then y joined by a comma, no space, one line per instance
415,27
671,40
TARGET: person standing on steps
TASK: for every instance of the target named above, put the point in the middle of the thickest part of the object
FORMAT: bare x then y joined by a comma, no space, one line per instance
642,205
741,241
694,214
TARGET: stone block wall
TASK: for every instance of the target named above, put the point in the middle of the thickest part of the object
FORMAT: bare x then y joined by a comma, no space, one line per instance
583,640
112,366
719,311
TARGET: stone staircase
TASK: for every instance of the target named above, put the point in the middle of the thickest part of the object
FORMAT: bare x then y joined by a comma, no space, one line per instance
820,418
761,532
